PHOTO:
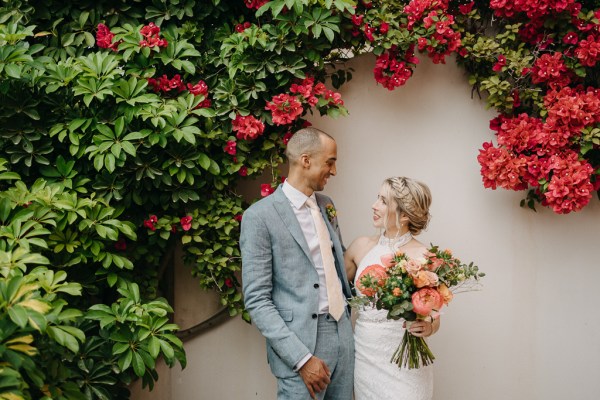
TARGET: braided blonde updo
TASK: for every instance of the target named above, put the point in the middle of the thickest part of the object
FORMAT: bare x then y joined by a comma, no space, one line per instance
412,199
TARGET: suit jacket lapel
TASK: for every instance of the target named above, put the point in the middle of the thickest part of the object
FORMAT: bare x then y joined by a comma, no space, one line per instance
284,209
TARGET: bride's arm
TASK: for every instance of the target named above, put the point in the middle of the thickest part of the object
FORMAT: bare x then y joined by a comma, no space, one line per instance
349,262
355,253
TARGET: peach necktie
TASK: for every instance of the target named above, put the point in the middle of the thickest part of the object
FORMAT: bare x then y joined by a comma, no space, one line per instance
334,291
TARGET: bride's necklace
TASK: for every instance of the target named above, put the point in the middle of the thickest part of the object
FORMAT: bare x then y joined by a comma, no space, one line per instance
396,242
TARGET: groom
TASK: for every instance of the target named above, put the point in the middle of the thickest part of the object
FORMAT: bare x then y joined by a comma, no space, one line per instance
294,280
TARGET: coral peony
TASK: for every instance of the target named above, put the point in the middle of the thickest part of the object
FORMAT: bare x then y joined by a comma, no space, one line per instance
373,272
427,300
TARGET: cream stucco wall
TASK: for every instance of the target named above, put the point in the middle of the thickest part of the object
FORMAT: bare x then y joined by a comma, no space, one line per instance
531,333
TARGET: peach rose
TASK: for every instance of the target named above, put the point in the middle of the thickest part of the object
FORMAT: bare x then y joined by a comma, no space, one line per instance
413,266
426,300
446,293
387,260
377,273
425,279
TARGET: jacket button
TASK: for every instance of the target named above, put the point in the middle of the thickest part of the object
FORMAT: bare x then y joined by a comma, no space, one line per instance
316,285
314,316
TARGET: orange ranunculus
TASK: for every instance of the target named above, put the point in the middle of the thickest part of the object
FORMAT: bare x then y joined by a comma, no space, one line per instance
387,260
397,292
377,273
425,279
426,300
446,293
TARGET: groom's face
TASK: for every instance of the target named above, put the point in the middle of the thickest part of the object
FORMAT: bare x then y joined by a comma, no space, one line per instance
322,164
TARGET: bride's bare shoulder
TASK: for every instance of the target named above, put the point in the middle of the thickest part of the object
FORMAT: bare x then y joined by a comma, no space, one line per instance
363,242
415,249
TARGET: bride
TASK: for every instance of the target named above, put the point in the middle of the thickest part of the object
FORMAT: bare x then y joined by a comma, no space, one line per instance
401,211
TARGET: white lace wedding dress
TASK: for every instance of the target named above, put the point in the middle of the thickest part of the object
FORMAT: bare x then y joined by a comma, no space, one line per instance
376,339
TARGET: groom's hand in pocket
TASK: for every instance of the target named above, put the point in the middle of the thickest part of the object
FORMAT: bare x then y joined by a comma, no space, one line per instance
315,374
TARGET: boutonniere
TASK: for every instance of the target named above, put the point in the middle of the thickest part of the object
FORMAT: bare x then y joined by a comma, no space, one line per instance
331,212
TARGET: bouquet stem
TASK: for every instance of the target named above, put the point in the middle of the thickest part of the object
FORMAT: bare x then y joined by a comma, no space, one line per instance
413,352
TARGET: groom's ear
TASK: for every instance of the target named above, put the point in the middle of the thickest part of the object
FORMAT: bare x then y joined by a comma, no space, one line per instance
305,160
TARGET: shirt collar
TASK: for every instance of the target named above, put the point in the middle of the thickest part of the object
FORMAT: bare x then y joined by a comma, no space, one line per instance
296,197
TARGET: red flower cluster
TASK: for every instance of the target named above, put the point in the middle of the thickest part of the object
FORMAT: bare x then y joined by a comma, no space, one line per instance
465,9
366,29
247,128
571,110
444,40
151,222
230,147
186,222
551,69
104,38
284,109
569,188
538,154
588,51
266,189
533,9
392,72
416,9
256,4
151,36
121,244
239,28
501,63
200,89
165,85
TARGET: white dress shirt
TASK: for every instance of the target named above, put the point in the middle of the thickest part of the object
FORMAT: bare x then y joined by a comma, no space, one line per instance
298,202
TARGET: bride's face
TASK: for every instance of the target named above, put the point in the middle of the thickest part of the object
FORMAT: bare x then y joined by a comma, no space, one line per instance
384,212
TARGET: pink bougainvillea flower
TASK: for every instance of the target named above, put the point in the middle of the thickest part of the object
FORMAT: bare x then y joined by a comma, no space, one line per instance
466,8
384,28
230,147
228,282
243,171
266,189
499,64
256,4
287,137
427,300
186,222
284,109
121,244
150,223
151,36
104,38
238,217
357,20
248,127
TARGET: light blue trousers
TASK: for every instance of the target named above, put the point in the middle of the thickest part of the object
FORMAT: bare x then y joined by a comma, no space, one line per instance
335,346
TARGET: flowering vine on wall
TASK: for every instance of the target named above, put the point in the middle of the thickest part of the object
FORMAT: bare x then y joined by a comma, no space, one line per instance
126,130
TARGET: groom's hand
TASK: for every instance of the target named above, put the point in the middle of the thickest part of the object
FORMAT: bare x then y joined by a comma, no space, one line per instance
315,374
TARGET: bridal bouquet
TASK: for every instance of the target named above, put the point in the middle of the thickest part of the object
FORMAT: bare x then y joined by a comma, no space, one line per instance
414,289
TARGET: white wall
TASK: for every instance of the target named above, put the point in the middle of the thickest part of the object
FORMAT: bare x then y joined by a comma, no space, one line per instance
531,333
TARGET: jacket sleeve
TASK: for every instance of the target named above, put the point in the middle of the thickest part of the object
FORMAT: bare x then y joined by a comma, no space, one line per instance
257,280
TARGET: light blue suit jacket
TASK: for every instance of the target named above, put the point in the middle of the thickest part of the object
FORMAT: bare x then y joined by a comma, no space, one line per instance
280,282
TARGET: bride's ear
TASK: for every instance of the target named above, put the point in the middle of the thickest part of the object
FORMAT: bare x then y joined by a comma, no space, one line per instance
404,220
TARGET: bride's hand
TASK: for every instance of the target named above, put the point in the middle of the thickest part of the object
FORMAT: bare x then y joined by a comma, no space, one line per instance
421,328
